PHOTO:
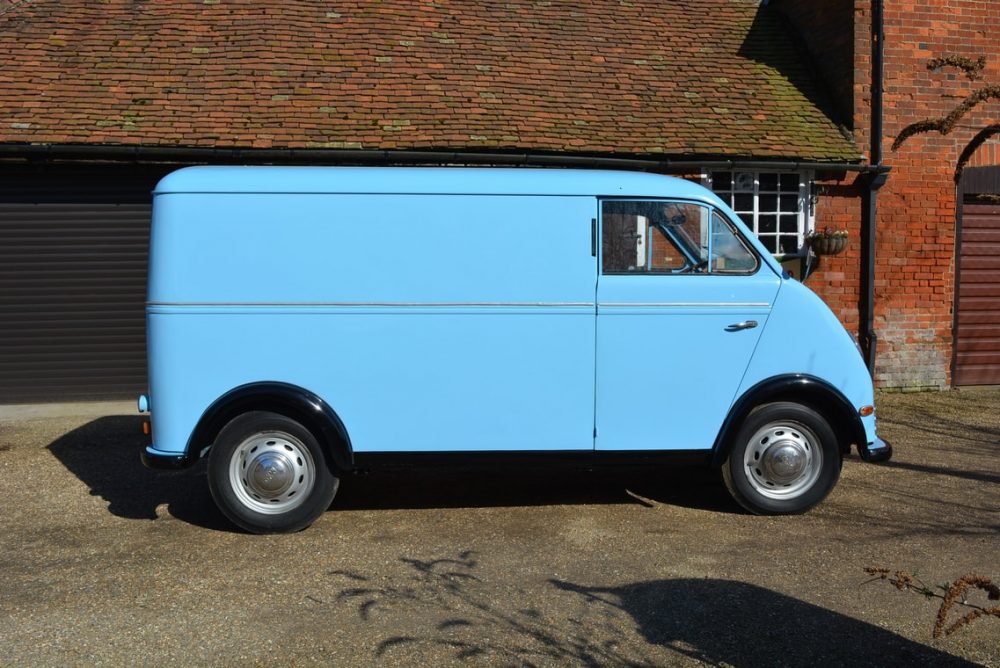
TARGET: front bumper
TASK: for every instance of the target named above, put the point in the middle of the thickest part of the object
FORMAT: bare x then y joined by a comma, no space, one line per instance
170,461
879,451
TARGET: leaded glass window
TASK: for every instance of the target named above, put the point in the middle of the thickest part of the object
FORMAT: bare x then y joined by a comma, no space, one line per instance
775,205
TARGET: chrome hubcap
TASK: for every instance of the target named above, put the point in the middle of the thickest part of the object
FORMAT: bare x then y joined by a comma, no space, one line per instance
269,474
783,460
272,472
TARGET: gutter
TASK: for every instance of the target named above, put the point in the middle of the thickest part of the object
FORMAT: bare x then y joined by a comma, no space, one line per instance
169,154
875,178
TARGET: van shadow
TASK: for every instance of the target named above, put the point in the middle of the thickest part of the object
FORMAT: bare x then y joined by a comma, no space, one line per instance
725,622
104,455
548,485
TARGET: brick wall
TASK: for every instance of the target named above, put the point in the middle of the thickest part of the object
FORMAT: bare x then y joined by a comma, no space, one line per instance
988,155
917,209
837,279
915,279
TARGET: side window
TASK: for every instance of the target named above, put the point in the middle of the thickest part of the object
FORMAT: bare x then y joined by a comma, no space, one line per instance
730,254
664,237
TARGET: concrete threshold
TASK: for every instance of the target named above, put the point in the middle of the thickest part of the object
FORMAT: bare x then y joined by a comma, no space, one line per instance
89,409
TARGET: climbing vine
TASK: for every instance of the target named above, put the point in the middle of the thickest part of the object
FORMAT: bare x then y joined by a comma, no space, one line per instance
977,141
973,70
947,123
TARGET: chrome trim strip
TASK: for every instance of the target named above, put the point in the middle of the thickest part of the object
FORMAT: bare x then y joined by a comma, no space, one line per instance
373,304
463,304
683,304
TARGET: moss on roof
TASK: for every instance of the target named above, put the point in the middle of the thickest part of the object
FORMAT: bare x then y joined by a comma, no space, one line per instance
698,78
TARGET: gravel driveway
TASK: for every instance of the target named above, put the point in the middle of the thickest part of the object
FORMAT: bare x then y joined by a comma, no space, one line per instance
104,562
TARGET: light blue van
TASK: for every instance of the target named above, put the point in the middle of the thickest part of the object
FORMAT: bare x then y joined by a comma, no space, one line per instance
305,322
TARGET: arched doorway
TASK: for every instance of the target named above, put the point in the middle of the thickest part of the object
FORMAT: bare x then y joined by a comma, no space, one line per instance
976,358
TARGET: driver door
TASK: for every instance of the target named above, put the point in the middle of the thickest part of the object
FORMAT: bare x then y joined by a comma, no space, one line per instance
681,302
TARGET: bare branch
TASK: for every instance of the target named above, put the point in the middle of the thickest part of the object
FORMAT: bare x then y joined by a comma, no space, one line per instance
954,595
947,124
972,68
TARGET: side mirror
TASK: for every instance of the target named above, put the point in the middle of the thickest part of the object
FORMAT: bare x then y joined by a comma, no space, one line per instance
809,265
799,265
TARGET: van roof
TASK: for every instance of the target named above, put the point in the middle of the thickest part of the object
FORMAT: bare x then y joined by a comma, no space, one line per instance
428,180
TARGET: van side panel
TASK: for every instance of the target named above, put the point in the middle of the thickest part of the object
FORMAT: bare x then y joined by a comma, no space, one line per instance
427,322
669,359
803,336
397,249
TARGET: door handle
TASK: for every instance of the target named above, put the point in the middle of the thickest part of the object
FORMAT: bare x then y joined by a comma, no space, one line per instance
737,326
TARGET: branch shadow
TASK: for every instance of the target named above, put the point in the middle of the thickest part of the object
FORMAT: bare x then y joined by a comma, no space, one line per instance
725,622
463,616
446,606
104,455
979,476
951,430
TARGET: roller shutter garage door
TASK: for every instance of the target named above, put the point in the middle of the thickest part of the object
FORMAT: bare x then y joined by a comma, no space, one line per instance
977,343
73,254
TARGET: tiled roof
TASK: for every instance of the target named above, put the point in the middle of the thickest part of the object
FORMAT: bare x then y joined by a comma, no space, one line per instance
648,77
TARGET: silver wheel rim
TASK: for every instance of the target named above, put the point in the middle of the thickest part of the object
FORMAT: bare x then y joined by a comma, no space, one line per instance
782,460
272,472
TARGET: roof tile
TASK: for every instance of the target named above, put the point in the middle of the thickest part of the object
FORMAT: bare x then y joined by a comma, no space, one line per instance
703,77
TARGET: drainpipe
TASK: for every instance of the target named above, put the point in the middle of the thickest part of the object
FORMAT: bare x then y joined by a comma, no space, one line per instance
874,180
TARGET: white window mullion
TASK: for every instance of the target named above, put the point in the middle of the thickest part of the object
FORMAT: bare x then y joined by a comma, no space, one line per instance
808,222
804,213
756,203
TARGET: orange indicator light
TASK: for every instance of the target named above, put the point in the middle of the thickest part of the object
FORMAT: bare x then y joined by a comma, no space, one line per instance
146,428
865,411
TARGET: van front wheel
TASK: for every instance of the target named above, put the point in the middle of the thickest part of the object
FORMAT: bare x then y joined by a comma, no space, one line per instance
268,474
784,459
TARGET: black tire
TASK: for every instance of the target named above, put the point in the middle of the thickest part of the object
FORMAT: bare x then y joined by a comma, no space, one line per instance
783,460
269,474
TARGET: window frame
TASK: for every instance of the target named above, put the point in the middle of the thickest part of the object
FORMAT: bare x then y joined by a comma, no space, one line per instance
806,209
712,211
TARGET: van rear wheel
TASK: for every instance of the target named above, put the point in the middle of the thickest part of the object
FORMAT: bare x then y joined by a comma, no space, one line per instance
784,460
268,474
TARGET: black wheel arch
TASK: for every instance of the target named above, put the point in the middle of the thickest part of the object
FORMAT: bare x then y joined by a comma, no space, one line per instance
798,388
292,401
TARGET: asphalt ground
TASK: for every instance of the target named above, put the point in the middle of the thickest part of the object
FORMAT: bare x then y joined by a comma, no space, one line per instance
103,562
